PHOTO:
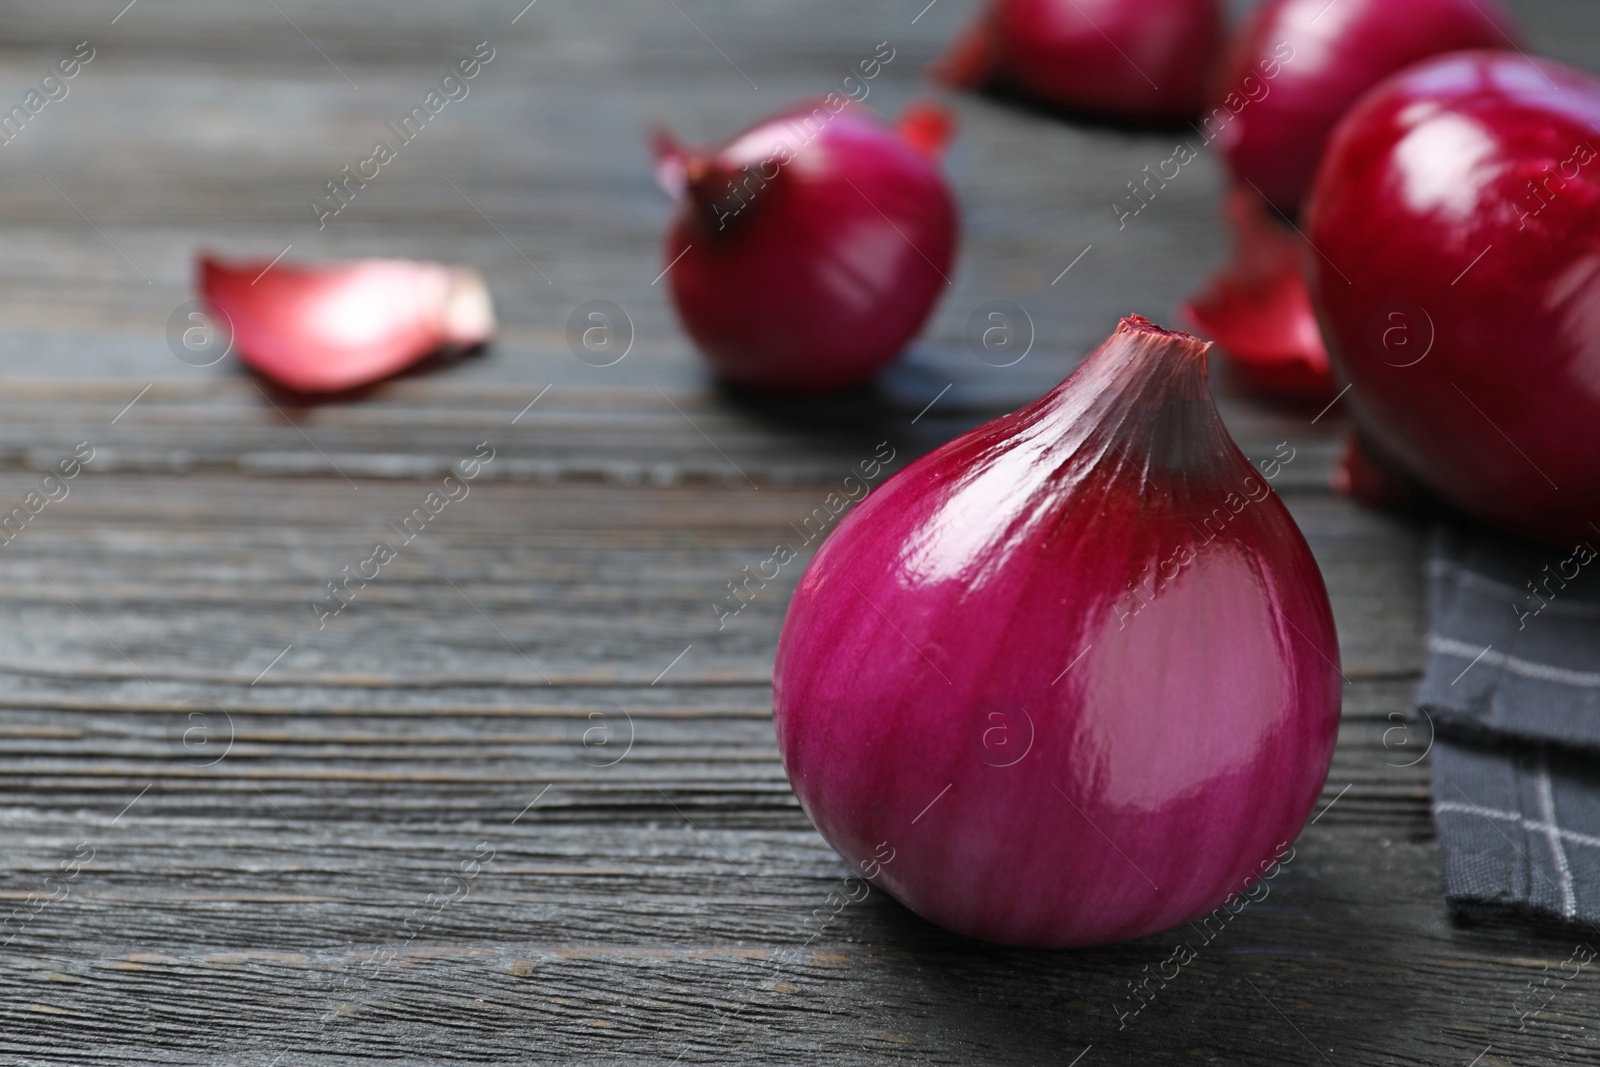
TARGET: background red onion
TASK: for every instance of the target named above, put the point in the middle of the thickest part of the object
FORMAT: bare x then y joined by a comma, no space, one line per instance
1131,60
1458,210
810,248
967,675
1340,50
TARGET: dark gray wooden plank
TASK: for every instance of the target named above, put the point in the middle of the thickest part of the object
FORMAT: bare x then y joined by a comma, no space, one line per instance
231,415
421,427
236,902
161,580
560,937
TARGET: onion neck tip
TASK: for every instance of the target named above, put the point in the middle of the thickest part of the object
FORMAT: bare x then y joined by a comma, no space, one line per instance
1137,328
1140,324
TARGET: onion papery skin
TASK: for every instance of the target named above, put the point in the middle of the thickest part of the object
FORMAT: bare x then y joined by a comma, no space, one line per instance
1367,478
1145,765
1122,59
1478,376
330,327
1339,51
1258,307
809,276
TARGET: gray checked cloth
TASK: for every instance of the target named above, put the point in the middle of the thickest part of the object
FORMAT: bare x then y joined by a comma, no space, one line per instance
1512,689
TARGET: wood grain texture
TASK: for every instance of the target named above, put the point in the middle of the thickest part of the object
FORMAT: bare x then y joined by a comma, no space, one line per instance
277,815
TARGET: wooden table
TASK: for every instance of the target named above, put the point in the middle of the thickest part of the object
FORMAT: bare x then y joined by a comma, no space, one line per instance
520,800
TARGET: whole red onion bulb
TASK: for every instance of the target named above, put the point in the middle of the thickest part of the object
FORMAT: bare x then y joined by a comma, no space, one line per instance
809,249
1457,213
1074,671
1298,65
1145,61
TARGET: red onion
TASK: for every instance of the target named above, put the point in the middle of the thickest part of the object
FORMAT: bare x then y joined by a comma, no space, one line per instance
1325,56
1076,667
338,326
1456,213
1145,61
1258,308
810,248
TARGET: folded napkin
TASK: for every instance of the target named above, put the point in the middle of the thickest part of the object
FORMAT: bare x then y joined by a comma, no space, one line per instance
1512,688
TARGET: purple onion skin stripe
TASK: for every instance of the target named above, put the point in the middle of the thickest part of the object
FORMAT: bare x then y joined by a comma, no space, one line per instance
1075,671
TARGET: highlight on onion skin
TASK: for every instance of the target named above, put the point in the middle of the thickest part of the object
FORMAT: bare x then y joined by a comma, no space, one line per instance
1458,207
808,250
1339,52
1258,307
330,327
1145,62
1076,668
